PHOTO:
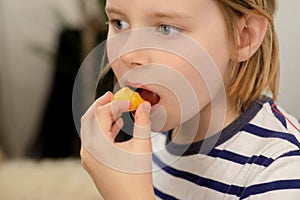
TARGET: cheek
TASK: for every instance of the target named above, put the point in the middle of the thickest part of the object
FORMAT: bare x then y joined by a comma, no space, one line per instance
214,39
114,46
199,85
221,58
195,93
118,69
218,48
195,75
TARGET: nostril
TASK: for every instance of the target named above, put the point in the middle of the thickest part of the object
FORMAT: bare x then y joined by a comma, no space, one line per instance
130,60
135,64
136,58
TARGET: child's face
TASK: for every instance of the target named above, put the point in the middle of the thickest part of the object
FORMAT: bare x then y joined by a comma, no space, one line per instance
164,72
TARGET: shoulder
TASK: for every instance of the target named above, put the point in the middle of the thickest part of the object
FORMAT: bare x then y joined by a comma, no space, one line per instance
273,116
274,128
276,135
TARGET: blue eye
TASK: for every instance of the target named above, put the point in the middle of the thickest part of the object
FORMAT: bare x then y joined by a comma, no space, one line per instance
168,30
119,25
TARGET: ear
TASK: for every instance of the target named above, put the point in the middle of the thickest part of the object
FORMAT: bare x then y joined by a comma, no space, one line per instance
251,34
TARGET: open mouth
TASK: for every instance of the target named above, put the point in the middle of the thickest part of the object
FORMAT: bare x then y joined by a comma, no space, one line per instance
147,95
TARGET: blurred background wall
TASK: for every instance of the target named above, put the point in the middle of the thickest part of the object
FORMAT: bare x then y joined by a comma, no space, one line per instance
26,74
288,30
35,79
29,38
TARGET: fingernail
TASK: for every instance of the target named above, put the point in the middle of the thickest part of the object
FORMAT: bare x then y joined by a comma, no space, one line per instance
107,92
147,107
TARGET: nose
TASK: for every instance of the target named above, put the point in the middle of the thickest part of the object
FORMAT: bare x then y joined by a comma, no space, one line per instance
136,58
134,51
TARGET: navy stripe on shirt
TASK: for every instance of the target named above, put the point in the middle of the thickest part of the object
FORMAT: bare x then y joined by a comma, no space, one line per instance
262,132
240,159
242,192
198,180
291,153
163,195
278,115
271,186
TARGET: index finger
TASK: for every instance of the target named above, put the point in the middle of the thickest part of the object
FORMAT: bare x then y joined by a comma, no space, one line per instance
106,98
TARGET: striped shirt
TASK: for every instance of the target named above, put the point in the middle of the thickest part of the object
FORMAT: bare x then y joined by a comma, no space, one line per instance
255,157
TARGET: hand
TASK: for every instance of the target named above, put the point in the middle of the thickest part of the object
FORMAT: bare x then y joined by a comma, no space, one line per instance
119,170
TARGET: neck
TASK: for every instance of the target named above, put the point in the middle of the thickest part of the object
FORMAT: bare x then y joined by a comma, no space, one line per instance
211,120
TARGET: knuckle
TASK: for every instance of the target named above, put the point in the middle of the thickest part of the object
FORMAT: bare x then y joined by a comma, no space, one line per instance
83,158
82,119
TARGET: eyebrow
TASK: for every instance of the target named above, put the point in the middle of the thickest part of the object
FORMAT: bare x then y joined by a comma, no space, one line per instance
168,14
112,10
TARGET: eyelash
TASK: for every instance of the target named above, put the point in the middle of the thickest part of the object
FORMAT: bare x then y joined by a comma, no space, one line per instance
172,29
113,22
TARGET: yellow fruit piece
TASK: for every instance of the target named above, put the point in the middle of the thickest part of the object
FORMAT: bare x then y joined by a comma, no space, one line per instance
128,94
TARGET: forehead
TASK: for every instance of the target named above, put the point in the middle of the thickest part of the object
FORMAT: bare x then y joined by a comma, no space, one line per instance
174,7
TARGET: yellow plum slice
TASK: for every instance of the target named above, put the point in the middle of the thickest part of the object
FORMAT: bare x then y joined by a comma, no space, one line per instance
128,94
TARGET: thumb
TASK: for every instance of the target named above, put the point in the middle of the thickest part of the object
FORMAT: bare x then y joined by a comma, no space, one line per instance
142,127
142,114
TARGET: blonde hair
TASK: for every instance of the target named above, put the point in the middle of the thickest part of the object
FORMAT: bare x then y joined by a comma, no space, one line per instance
250,79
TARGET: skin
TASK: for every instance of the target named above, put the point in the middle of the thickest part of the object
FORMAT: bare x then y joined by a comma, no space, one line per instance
190,19
200,20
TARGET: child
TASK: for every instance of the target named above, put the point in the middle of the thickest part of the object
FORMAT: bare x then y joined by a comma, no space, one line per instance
222,137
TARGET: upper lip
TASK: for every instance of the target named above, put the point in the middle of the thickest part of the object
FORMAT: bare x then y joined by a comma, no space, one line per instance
134,85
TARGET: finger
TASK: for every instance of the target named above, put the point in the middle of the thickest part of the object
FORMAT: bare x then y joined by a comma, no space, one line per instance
116,127
107,116
142,128
118,107
142,114
109,113
105,99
